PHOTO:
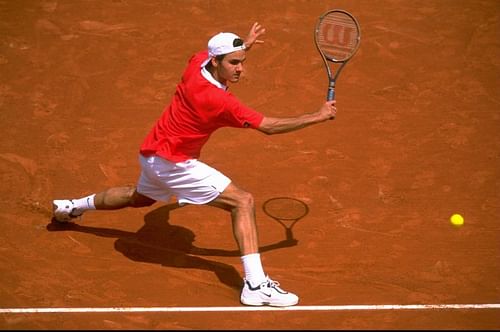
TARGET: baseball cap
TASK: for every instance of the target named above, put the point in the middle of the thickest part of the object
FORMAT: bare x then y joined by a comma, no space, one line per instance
222,43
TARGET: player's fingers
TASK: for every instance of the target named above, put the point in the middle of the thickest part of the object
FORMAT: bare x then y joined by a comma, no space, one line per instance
260,32
330,104
333,111
258,29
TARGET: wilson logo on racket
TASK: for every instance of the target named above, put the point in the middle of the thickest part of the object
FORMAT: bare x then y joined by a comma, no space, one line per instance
339,35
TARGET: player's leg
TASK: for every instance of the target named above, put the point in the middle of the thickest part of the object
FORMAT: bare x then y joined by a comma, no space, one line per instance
121,197
110,199
242,208
258,288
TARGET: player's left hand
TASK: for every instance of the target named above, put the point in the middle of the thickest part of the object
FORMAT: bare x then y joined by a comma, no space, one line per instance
255,32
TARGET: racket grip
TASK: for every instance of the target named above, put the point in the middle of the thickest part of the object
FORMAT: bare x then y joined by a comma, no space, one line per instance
331,94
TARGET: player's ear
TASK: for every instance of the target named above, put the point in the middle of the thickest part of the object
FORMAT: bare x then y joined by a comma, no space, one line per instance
214,62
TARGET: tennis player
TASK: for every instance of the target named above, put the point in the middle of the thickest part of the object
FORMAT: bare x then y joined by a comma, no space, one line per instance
169,154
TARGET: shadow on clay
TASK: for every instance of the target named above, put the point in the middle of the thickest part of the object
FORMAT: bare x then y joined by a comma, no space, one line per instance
159,242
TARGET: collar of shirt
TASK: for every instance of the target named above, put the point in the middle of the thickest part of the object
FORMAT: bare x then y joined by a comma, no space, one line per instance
205,73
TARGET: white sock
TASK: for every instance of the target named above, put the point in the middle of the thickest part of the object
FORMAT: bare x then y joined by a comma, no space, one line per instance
253,268
85,203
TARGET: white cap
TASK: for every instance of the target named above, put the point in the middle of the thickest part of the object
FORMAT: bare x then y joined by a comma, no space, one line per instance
222,43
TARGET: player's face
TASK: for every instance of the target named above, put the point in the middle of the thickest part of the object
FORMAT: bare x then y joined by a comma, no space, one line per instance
231,67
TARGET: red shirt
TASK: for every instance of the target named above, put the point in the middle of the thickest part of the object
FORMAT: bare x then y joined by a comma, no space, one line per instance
197,109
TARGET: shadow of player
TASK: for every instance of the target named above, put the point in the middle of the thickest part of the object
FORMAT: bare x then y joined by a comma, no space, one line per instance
159,242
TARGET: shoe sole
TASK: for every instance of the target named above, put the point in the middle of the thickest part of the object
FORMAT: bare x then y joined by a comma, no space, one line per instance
260,304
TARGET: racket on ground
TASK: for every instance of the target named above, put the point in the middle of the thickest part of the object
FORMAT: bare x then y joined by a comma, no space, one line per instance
337,37
287,211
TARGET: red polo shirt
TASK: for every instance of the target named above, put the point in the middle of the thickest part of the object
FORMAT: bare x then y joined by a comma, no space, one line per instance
197,109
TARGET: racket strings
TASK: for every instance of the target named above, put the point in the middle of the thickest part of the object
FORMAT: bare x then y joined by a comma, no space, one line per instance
338,36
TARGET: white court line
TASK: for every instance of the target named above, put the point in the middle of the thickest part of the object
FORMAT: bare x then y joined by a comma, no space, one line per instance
263,308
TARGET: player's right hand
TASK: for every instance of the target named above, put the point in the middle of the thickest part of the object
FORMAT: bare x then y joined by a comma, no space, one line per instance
328,111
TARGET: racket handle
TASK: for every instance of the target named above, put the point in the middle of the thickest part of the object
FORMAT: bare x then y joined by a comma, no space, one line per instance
331,94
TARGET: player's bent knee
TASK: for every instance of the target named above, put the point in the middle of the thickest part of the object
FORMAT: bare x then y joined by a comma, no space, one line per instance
245,200
242,198
234,198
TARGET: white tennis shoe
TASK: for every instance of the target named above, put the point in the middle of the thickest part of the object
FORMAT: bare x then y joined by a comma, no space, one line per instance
64,210
267,293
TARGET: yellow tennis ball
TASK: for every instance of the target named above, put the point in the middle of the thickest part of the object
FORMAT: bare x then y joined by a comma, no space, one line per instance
457,220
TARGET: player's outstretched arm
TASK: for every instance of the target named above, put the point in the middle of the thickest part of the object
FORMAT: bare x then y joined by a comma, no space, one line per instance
271,126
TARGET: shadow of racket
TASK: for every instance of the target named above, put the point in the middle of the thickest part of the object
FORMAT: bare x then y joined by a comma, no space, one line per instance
287,211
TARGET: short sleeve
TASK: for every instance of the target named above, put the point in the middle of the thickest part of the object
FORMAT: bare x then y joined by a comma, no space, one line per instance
238,115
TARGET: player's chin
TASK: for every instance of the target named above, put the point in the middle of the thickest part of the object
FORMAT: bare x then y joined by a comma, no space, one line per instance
235,79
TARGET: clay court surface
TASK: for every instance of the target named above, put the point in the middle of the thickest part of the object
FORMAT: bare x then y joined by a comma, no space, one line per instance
416,139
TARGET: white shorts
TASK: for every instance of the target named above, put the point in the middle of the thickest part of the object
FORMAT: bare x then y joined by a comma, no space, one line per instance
191,181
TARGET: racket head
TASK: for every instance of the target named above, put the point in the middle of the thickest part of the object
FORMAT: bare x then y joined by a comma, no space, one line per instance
337,35
285,208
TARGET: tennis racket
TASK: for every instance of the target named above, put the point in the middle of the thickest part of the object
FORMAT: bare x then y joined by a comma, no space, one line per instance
287,211
337,37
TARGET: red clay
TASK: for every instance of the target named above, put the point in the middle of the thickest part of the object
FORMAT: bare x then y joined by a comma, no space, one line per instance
416,139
